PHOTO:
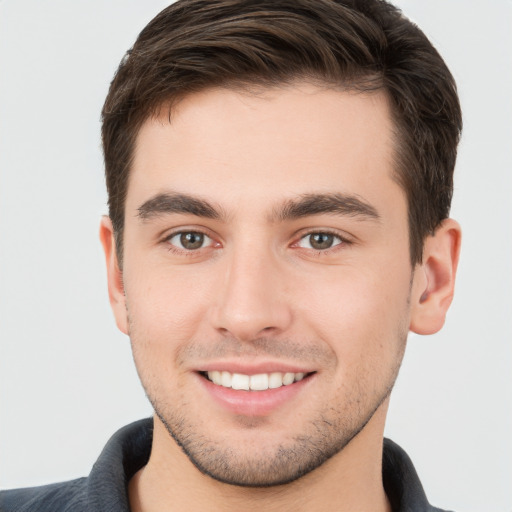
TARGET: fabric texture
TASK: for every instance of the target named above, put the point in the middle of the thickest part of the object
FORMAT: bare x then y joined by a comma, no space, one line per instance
106,487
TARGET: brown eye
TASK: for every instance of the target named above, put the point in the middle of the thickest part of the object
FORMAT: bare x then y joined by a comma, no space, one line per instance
189,240
319,241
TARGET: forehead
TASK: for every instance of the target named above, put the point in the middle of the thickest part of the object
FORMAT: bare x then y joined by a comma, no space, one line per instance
270,144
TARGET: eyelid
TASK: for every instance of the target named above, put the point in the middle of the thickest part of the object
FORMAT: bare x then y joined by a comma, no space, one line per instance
169,235
205,240
345,239
170,232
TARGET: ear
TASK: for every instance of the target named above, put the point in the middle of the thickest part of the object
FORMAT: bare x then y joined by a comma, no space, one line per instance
114,275
434,279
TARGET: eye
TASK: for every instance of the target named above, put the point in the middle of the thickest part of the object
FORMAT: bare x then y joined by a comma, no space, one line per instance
319,241
190,240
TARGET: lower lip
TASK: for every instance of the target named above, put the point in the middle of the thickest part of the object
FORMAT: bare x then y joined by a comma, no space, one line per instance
254,403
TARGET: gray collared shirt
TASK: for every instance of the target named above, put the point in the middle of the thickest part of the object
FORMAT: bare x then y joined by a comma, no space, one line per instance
106,487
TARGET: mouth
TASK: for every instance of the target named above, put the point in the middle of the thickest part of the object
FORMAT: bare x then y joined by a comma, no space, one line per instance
257,382
252,392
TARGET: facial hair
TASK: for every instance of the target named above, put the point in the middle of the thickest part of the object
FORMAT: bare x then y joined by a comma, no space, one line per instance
324,435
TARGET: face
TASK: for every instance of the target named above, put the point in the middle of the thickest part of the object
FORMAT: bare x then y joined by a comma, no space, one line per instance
267,278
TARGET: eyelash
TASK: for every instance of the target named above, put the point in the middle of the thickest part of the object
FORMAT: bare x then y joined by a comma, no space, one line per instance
342,242
186,252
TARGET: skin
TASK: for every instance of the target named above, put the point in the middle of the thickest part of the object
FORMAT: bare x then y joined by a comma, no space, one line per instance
258,293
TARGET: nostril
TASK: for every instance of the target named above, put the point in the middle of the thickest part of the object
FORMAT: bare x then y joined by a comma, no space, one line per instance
250,318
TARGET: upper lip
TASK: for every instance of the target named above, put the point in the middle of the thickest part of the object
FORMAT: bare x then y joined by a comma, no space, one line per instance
254,368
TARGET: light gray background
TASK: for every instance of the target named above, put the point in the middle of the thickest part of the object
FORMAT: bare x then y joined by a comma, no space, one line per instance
67,381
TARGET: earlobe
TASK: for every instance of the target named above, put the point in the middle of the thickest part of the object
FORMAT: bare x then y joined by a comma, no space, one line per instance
114,275
434,279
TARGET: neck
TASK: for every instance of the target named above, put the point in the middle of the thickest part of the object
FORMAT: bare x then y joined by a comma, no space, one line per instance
351,480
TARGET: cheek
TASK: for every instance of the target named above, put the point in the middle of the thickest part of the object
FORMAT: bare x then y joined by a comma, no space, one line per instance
166,306
164,310
363,316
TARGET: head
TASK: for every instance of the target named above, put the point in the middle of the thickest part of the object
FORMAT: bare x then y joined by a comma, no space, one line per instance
349,45
279,177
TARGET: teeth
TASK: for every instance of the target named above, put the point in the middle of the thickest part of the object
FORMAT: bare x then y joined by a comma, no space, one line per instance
288,378
215,377
259,382
275,380
225,379
240,381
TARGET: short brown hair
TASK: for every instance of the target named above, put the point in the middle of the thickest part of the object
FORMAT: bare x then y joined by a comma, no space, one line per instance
364,45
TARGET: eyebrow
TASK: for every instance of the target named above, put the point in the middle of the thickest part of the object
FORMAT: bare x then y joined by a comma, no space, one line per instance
305,206
318,204
173,202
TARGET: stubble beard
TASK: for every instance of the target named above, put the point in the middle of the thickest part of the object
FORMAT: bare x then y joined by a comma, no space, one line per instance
280,465
321,438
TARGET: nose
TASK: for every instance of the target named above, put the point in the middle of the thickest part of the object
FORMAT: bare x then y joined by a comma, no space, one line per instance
252,299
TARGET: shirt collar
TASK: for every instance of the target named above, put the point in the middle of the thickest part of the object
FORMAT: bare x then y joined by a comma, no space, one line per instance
128,451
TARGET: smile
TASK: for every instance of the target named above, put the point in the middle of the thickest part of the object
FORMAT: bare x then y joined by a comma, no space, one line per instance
259,382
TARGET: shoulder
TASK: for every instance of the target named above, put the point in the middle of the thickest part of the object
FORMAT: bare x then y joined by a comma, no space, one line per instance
401,482
60,497
104,489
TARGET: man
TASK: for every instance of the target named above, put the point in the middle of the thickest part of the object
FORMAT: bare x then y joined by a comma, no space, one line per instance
279,178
